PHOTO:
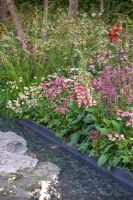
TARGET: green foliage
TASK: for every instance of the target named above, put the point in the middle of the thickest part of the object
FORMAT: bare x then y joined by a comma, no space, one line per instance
102,159
78,121
112,152
71,44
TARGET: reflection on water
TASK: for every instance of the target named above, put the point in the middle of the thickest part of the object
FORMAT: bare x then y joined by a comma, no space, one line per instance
76,181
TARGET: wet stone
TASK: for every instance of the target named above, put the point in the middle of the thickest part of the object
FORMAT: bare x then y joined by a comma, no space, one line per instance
28,185
13,163
13,143
22,177
12,154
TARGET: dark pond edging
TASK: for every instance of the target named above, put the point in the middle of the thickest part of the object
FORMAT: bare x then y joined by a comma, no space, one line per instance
123,177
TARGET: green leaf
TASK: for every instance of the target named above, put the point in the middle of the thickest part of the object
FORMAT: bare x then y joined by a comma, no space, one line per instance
105,131
109,168
98,126
71,105
27,117
91,110
107,122
74,138
83,145
90,127
132,151
116,126
102,159
79,118
87,130
88,120
107,148
46,119
62,132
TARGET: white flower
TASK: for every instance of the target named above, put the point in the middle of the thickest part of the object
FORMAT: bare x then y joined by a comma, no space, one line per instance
93,14
9,102
26,93
22,96
73,69
42,79
17,103
26,88
20,79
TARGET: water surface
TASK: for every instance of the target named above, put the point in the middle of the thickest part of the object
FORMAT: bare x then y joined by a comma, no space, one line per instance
76,181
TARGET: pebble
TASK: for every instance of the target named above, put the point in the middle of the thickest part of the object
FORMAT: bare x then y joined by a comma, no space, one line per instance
1,190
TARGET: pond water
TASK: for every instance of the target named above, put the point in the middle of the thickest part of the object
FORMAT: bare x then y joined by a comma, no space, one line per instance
76,181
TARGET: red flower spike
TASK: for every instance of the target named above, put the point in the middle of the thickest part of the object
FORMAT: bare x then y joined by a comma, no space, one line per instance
116,28
114,34
114,39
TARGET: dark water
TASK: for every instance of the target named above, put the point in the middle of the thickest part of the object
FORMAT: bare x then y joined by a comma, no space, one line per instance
76,181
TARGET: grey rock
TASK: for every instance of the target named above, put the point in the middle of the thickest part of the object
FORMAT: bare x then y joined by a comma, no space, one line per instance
29,185
13,143
12,160
14,163
21,176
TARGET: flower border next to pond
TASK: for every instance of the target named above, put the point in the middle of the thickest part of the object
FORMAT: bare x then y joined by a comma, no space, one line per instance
123,177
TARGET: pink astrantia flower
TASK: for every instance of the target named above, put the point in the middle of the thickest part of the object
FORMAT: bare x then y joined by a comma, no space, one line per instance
116,137
57,89
128,117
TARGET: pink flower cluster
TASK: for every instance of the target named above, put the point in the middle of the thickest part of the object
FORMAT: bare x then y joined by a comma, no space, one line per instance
56,90
116,137
115,85
128,116
102,57
61,91
95,134
54,87
84,96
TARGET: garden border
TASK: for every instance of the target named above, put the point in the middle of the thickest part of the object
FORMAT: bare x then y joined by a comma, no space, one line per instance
118,174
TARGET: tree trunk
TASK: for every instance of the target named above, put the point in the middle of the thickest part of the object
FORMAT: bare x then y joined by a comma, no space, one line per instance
73,7
3,10
17,21
101,7
45,20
